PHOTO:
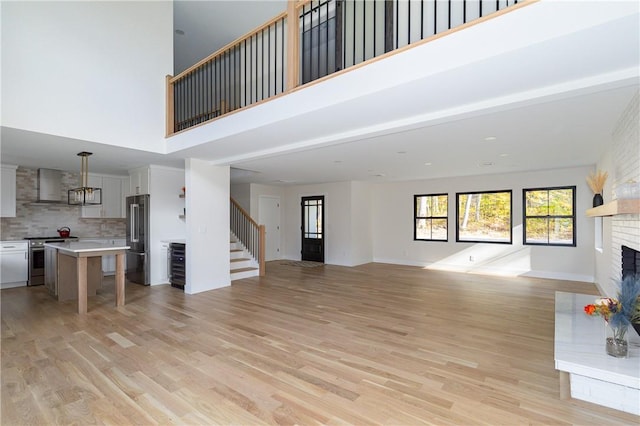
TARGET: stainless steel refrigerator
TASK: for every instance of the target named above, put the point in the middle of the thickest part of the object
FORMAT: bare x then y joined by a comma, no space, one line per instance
138,239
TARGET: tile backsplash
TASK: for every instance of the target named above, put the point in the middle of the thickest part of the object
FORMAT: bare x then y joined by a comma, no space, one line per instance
37,220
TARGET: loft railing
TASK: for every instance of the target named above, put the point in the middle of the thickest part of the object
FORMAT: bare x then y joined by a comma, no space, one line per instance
311,40
250,234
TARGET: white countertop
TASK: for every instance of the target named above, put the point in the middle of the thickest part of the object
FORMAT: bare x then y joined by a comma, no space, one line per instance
580,344
86,247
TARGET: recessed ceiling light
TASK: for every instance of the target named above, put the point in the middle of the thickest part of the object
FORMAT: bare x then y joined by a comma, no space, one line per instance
337,161
486,164
504,155
490,138
428,164
401,152
179,32
379,175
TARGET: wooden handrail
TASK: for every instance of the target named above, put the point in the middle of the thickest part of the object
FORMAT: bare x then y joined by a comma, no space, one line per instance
228,46
244,212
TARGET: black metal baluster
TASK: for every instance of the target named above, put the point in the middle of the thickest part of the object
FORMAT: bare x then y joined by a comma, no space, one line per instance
283,53
303,60
318,41
409,22
421,19
190,91
256,69
464,11
218,86
375,26
225,65
337,54
353,61
435,17
326,36
251,70
200,95
269,62
397,28
364,30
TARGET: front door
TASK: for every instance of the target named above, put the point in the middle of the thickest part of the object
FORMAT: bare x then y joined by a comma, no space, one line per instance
312,228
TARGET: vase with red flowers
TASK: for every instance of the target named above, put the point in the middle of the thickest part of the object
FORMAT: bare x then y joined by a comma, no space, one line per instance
617,325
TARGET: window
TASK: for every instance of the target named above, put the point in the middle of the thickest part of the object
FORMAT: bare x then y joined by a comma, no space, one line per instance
549,216
430,213
484,217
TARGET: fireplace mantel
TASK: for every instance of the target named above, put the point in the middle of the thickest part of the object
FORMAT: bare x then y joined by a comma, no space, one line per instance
616,207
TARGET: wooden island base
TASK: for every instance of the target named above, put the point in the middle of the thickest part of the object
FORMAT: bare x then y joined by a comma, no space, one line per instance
82,263
68,276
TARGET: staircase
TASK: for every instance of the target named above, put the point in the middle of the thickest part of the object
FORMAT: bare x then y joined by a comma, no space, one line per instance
247,244
243,265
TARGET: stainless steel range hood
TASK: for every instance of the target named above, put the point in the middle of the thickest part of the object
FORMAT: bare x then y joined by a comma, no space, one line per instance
49,186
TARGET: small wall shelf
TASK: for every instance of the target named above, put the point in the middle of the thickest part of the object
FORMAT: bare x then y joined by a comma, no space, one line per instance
184,215
615,207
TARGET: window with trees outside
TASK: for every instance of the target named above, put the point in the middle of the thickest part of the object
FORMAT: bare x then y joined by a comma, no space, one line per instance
484,217
430,213
549,216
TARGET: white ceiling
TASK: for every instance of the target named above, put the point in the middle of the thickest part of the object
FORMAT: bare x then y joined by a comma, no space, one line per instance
550,104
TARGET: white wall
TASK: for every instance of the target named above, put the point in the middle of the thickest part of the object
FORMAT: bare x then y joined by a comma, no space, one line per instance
88,70
165,186
242,194
392,207
347,222
256,191
622,162
337,215
361,224
207,223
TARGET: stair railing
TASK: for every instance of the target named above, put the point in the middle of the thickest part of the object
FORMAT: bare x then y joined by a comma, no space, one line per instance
311,40
250,234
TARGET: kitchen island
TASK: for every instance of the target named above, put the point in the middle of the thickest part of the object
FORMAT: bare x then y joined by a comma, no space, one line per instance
586,371
72,267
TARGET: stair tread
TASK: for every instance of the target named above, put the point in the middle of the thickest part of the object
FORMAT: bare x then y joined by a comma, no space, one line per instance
240,259
243,270
236,250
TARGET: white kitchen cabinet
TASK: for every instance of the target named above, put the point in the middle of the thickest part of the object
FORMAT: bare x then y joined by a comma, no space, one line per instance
139,181
112,197
8,201
14,264
126,191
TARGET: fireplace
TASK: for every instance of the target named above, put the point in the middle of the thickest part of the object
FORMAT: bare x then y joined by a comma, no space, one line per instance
630,262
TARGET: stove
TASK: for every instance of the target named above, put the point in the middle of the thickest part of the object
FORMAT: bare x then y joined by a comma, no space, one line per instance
36,257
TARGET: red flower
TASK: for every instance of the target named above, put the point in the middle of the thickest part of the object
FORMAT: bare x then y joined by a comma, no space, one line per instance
590,309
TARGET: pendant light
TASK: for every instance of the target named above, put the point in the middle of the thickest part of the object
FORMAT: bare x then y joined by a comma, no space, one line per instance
85,195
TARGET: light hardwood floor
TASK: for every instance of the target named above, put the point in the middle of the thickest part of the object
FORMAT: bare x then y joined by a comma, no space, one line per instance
375,344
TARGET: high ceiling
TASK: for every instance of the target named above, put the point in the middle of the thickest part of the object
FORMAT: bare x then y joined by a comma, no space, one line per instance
550,102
